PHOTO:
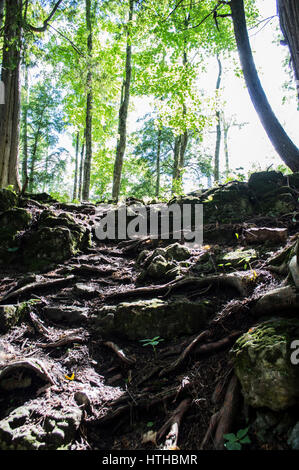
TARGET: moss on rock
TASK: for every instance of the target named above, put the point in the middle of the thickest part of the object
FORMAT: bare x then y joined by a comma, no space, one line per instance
262,362
147,318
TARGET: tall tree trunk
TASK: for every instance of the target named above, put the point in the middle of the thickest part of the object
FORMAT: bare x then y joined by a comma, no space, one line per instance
123,112
10,111
288,11
218,125
25,131
88,129
176,157
179,160
1,12
283,145
81,170
76,168
158,163
225,141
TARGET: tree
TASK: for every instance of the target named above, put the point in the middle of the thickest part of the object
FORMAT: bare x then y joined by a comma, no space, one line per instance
16,20
218,124
88,126
285,148
288,11
123,110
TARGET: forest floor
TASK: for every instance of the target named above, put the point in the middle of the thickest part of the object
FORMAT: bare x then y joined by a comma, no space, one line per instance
131,396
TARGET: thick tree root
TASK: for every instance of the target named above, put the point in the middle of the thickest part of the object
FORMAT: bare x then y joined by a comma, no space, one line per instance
222,422
36,287
174,423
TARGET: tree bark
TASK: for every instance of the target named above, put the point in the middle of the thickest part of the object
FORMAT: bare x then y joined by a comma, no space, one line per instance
25,131
218,125
88,129
81,170
10,111
123,112
1,12
283,145
75,191
288,11
158,163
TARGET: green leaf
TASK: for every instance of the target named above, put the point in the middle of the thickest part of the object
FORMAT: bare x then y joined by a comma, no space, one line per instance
242,433
230,437
245,440
233,445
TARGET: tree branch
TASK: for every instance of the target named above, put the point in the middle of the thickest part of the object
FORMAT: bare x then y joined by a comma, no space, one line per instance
71,43
43,28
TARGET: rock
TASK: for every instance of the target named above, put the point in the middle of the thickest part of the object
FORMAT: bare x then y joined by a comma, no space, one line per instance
12,221
293,440
148,318
56,239
265,181
66,314
86,290
283,299
229,204
279,201
273,236
158,267
237,258
10,315
270,425
8,199
28,428
177,252
262,363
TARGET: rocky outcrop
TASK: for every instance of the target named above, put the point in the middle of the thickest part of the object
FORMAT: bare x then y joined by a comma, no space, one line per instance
148,318
262,362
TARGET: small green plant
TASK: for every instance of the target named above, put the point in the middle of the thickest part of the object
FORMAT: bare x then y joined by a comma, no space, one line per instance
235,441
152,342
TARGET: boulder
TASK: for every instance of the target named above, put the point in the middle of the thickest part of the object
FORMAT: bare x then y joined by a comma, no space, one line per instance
29,428
265,182
56,239
8,199
66,314
10,315
148,318
262,362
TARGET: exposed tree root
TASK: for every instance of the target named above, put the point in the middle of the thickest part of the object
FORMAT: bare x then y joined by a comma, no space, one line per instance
222,422
174,423
35,365
216,345
36,287
202,336
217,281
120,353
63,341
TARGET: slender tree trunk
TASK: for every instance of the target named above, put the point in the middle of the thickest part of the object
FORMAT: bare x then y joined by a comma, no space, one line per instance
158,163
288,11
283,145
76,168
225,141
10,111
176,156
1,12
123,112
179,154
88,129
25,131
218,125
81,170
